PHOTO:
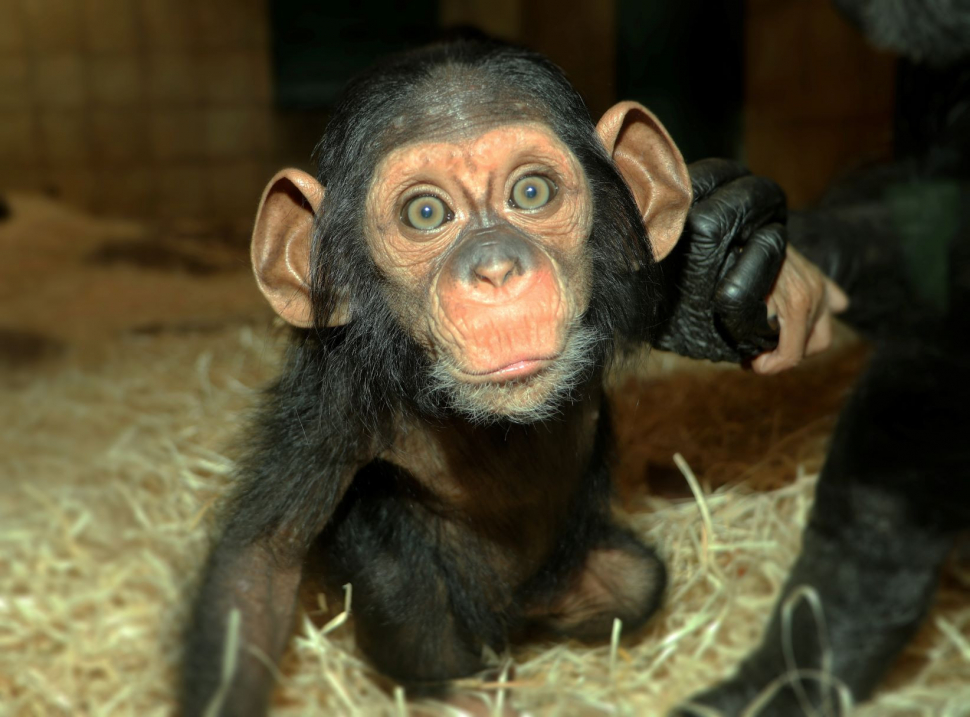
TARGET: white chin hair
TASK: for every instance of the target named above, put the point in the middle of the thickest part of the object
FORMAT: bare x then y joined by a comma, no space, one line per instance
526,400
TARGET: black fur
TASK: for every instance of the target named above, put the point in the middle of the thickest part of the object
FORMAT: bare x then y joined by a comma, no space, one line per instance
932,31
342,386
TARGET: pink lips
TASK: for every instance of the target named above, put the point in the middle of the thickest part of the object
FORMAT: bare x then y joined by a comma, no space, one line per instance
513,370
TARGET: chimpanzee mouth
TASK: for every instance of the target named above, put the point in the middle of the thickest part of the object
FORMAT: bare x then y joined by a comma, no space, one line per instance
519,369
525,391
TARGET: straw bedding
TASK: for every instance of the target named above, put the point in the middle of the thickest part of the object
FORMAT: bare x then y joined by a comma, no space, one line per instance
122,384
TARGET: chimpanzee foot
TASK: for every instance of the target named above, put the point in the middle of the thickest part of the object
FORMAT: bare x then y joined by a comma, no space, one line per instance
621,578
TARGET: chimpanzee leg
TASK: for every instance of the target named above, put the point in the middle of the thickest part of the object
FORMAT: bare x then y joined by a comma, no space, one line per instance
874,578
418,614
879,531
620,577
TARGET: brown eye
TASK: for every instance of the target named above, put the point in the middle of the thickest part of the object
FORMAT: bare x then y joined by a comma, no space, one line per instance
532,192
425,213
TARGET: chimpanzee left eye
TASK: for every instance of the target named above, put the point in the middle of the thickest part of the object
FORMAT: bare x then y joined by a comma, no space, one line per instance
532,192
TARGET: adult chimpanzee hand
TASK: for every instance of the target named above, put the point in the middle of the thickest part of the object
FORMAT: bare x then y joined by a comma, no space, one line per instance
731,259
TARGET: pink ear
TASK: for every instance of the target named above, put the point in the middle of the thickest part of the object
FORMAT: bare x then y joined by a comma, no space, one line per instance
281,245
653,169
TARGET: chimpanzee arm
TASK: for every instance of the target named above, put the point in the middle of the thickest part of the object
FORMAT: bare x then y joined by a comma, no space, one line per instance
888,502
298,468
243,617
891,253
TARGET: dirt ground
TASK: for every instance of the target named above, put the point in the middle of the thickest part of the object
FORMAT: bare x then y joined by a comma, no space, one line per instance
128,359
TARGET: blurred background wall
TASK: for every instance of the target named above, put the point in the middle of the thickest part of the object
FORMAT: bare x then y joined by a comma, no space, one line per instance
181,109
146,108
817,99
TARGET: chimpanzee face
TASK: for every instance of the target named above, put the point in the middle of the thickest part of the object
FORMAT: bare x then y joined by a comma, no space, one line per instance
480,234
483,243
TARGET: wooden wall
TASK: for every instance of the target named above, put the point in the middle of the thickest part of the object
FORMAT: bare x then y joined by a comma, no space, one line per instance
818,99
161,108
147,108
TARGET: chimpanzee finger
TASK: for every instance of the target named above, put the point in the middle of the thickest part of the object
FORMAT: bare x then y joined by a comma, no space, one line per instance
707,175
738,209
739,299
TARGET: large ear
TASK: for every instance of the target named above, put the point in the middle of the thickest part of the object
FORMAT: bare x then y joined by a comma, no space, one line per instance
281,245
653,168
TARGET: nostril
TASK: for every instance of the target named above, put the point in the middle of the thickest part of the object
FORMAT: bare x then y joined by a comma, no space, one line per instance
496,272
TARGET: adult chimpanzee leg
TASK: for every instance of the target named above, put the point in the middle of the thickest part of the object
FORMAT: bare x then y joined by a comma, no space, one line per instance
893,492
423,607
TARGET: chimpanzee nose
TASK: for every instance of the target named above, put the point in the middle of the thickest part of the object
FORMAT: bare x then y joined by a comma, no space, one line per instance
493,258
496,265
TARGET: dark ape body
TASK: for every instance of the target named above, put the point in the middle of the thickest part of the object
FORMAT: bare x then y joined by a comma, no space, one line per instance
447,547
892,498
492,555
455,526
895,489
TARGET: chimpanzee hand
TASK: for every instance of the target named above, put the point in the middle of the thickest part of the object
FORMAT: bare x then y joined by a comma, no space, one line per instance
733,256
723,267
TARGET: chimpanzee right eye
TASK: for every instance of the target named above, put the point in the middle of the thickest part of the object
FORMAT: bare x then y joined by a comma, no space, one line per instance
426,213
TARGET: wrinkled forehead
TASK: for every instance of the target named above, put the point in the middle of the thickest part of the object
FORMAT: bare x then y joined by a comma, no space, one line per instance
484,146
475,161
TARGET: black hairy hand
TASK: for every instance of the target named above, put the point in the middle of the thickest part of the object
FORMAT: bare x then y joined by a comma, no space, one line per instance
718,276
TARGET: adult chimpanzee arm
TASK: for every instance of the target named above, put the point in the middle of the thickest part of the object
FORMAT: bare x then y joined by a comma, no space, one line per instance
887,237
890,498
244,610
